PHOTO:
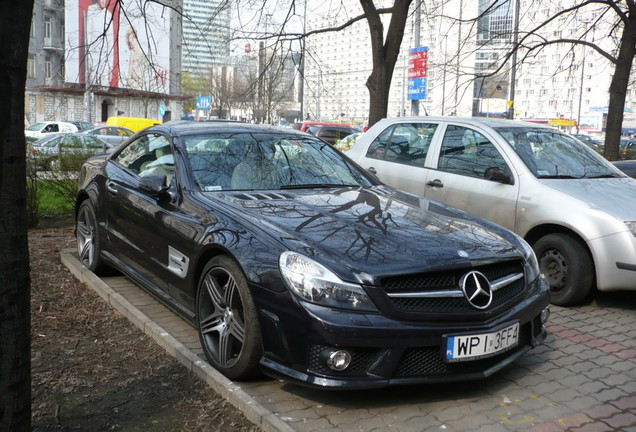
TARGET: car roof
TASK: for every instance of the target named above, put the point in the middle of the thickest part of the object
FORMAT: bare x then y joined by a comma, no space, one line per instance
202,128
488,121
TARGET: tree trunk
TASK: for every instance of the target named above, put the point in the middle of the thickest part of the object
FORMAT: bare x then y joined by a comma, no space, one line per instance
385,55
15,325
618,89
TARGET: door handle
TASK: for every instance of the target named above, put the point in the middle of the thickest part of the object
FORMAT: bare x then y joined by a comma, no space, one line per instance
112,189
372,170
435,183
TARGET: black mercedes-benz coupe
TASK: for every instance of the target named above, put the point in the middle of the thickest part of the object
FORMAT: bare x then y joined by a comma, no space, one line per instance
292,261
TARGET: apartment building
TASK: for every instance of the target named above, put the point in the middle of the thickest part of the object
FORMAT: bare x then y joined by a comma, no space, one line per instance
469,66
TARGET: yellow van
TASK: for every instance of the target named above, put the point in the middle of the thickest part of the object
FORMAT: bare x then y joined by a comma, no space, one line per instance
132,123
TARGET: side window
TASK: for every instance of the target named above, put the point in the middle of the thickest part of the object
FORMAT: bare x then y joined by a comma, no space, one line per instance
404,143
467,152
148,154
377,149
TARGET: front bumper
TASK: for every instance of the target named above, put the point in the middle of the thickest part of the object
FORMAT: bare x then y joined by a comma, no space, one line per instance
615,261
384,351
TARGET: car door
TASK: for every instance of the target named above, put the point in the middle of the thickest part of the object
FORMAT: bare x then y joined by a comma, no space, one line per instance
471,173
398,153
138,220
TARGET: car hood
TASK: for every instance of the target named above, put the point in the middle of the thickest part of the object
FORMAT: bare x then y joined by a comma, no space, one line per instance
377,230
616,196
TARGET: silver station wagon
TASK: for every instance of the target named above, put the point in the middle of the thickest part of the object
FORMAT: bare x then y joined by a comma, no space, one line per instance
574,207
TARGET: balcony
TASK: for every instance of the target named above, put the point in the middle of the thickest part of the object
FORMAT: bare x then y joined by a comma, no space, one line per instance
53,44
53,4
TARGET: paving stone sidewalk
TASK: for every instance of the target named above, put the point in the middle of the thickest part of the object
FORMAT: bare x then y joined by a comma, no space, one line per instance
581,379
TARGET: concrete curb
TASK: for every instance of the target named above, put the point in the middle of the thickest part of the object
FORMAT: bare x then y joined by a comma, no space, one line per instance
234,393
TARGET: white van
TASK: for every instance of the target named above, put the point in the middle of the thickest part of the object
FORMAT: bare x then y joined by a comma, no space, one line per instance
575,208
43,129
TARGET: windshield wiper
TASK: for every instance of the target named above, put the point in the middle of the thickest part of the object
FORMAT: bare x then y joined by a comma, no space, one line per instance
559,176
603,176
317,186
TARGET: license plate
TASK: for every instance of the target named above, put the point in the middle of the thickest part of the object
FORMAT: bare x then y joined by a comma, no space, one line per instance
472,347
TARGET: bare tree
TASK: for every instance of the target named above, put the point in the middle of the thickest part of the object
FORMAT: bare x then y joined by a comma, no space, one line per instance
15,324
618,47
385,44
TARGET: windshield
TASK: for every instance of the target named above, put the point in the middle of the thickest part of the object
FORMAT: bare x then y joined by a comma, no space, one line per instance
257,161
551,154
36,127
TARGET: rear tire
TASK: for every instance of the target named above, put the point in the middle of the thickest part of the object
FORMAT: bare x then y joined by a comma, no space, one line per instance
227,321
567,265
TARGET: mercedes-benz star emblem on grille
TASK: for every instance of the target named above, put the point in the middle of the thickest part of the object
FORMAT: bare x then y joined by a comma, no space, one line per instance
476,288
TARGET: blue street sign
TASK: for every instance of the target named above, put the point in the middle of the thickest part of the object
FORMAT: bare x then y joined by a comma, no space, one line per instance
204,102
162,110
417,89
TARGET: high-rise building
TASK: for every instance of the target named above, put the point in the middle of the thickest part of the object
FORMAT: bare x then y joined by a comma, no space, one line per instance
206,35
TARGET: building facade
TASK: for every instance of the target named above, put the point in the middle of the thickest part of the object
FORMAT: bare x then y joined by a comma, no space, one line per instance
206,35
132,68
469,63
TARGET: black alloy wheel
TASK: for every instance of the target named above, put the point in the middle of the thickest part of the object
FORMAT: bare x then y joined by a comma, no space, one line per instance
88,243
227,321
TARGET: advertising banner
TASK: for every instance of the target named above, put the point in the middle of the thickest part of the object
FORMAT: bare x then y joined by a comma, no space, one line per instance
115,44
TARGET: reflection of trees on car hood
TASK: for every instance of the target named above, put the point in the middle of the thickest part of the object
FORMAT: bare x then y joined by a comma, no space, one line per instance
370,227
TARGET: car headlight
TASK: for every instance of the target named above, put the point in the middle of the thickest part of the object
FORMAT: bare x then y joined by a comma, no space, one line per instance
532,265
632,226
315,283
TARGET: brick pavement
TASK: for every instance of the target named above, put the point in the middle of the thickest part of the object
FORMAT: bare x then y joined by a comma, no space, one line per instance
581,379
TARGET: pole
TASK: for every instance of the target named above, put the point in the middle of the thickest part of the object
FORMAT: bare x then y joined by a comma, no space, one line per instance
578,116
301,85
513,69
415,104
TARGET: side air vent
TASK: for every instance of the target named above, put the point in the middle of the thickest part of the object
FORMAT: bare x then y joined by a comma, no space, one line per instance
257,196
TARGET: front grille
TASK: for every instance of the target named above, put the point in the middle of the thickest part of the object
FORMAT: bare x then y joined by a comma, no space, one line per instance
449,281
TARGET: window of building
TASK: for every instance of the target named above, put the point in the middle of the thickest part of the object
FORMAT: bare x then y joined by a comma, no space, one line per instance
48,67
31,66
47,27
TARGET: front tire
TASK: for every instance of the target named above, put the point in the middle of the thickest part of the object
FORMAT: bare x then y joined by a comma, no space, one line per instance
567,265
88,242
227,321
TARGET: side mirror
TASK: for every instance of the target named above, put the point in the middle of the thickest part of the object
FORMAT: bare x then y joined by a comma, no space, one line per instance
154,184
497,175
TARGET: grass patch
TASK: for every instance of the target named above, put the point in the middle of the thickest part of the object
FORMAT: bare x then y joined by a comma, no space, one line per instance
54,198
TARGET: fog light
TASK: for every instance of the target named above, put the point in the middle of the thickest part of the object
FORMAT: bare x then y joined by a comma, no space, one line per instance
339,360
545,315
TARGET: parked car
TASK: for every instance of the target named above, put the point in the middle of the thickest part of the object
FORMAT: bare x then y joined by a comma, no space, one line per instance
347,142
133,123
627,166
593,143
290,260
48,152
113,135
330,134
304,125
575,208
627,148
43,129
81,125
